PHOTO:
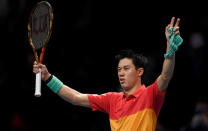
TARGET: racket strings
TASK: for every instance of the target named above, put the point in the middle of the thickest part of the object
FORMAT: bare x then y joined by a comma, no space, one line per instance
40,25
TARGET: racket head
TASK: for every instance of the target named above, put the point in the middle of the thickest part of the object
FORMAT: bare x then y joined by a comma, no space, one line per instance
40,25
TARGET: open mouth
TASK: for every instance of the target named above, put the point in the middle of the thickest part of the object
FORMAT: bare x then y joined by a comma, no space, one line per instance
122,81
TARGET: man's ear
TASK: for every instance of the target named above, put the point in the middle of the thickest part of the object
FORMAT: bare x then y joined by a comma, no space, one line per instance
140,72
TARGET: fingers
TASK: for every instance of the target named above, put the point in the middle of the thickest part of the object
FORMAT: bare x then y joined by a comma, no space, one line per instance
177,22
176,30
168,26
177,33
36,67
172,21
176,26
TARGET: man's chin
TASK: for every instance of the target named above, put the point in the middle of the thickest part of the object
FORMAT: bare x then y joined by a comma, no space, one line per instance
125,88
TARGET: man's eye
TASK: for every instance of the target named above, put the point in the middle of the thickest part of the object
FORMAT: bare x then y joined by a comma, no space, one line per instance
126,68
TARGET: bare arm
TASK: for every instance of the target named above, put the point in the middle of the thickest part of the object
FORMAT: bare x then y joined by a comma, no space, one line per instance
169,62
73,96
67,93
167,73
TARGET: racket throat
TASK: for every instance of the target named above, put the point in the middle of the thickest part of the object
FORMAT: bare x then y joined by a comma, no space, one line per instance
42,54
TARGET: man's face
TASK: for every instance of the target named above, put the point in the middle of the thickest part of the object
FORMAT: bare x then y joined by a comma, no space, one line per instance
127,73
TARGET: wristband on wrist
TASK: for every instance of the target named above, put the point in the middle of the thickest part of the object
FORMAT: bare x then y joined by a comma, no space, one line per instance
54,84
49,79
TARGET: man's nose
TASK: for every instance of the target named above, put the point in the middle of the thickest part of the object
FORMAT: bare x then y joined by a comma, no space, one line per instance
121,73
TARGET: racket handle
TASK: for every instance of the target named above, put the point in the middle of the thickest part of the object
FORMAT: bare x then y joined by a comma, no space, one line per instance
38,84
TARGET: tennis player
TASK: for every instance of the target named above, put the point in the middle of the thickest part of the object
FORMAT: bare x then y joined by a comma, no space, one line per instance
137,107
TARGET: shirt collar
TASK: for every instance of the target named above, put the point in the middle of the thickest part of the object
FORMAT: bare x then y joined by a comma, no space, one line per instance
135,94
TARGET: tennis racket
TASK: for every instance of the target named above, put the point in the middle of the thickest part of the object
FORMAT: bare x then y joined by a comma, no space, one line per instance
39,32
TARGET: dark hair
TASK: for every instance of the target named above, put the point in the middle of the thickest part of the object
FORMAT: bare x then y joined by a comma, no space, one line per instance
139,60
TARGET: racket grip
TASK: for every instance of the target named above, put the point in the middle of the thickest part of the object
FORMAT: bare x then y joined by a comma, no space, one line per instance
38,84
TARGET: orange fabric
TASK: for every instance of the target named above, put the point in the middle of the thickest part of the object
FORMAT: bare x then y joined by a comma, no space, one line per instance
144,120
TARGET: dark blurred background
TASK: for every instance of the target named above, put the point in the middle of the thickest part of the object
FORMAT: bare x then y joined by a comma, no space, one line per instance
86,36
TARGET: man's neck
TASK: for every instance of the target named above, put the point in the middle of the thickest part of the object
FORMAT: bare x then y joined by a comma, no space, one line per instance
132,90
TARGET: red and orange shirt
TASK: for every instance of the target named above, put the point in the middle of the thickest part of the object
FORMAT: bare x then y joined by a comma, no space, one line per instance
137,112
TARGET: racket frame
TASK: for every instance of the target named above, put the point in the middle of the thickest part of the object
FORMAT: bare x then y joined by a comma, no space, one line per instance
45,42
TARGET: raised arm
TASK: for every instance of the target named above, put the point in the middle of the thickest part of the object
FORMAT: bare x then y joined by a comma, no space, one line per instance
65,92
73,96
169,62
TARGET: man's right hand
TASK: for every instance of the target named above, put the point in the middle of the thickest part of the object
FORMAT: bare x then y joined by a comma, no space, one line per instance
65,92
44,73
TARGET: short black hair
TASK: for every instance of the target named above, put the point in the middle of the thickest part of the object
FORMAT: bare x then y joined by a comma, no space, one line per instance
139,60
